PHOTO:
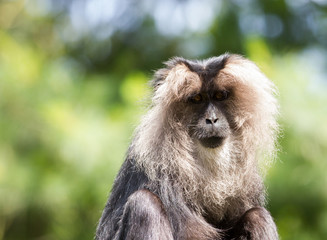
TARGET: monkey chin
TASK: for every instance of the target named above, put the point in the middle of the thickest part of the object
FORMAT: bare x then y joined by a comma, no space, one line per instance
212,142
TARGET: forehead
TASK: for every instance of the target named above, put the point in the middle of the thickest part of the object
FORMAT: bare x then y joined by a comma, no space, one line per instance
208,68
207,71
183,77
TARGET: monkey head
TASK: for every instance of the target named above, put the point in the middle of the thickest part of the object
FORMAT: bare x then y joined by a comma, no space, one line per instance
217,99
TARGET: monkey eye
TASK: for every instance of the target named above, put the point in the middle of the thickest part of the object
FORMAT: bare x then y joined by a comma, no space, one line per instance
221,95
196,98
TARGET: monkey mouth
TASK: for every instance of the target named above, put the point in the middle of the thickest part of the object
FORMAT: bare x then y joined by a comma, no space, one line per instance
211,142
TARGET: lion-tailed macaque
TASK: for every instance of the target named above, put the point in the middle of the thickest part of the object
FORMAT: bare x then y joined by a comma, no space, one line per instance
194,168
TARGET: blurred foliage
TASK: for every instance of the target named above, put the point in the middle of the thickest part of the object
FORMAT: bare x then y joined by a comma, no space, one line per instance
73,76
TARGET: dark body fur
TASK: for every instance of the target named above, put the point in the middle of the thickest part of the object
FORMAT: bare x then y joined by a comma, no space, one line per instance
175,185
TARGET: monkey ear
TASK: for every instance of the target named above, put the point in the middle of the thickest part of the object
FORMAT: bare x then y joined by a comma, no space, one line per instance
159,77
161,74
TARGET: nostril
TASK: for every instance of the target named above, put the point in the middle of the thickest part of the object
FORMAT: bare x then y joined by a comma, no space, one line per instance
211,121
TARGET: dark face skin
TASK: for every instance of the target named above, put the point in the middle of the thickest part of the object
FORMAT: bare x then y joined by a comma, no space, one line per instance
204,110
208,123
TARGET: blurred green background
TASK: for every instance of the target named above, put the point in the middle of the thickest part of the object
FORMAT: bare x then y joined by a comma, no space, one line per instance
73,78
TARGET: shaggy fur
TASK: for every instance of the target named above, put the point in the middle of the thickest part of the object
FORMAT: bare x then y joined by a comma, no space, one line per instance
202,191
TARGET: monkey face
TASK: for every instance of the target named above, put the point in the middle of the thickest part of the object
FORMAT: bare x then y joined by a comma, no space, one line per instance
209,123
216,99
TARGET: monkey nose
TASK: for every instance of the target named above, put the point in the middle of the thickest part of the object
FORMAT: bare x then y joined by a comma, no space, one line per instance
211,121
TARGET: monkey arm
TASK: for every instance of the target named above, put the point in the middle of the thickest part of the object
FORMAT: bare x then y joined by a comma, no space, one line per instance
128,181
255,224
144,217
